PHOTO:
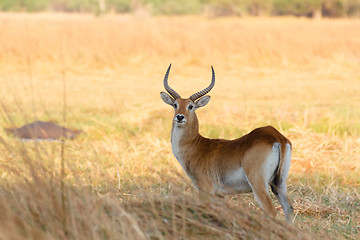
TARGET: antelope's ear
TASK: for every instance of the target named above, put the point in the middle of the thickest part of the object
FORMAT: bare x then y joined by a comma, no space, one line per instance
166,98
202,101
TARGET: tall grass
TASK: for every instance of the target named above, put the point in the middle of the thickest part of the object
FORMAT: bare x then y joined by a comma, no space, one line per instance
121,179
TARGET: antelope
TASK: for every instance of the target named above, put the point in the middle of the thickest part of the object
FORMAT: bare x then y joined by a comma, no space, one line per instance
250,163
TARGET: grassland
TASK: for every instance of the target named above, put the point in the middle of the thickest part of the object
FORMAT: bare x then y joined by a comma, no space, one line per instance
121,180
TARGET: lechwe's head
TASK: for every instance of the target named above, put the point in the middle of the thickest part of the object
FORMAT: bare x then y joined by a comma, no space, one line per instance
185,107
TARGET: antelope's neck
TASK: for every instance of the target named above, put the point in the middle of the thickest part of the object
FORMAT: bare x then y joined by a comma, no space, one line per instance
183,140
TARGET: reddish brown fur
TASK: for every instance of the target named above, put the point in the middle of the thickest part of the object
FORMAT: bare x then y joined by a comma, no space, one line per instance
224,155
207,161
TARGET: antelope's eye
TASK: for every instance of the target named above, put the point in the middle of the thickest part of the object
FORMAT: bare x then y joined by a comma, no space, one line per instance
175,105
190,107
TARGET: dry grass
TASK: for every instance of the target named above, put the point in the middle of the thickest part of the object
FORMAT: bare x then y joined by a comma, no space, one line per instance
121,180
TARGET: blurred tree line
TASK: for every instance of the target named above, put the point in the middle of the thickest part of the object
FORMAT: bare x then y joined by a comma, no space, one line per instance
309,8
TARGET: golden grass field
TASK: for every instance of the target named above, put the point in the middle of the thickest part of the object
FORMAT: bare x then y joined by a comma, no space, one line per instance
121,180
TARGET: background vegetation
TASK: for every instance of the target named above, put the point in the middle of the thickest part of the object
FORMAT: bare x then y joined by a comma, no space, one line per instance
310,8
119,180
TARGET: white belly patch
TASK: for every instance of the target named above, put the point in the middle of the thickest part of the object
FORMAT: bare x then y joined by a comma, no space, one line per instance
235,182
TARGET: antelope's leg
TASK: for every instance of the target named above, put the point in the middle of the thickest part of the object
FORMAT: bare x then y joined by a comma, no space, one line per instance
261,193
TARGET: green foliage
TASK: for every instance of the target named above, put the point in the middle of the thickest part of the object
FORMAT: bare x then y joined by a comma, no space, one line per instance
352,8
82,5
24,5
174,7
34,6
296,7
6,5
245,7
258,7
121,6
89,5
328,8
333,8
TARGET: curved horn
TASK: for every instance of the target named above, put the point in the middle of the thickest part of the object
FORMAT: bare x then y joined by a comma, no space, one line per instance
206,90
171,91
